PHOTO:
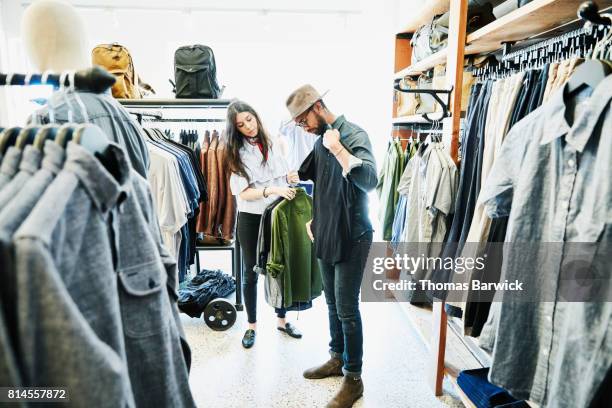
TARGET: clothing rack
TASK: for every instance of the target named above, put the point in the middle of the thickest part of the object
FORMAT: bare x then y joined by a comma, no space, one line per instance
539,19
175,103
162,105
94,79
161,120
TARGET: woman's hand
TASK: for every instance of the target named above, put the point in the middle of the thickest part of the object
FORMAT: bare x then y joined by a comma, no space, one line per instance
285,192
309,230
293,177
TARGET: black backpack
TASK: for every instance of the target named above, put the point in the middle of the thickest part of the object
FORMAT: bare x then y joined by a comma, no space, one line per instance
195,73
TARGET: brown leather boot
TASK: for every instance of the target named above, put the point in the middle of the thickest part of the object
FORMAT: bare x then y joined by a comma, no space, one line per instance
350,391
331,368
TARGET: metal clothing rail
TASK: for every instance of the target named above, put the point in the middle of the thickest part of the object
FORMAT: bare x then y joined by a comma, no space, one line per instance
175,103
157,119
94,79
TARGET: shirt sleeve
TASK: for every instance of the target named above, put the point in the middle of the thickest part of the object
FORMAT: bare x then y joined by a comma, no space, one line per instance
238,184
276,260
439,187
362,171
307,169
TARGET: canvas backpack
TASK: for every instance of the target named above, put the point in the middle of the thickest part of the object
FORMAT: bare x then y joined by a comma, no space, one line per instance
195,73
117,60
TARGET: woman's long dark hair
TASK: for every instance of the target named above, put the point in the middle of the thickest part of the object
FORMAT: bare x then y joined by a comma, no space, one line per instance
235,139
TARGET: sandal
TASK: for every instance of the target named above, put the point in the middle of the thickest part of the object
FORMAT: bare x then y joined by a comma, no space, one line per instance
291,330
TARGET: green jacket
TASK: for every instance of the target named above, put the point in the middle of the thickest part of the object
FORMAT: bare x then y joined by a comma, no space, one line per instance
292,257
388,181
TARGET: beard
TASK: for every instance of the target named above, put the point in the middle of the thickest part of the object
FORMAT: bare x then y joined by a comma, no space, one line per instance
322,126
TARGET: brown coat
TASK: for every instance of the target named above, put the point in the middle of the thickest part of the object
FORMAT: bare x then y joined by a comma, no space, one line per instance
212,175
201,224
227,202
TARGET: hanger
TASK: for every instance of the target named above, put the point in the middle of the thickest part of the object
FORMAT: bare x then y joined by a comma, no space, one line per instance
590,73
47,132
96,142
92,138
66,131
64,135
8,138
26,136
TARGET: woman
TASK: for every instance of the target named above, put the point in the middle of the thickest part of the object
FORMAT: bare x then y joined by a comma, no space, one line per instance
259,175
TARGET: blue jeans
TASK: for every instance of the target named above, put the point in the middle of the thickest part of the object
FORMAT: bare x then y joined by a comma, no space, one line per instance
341,284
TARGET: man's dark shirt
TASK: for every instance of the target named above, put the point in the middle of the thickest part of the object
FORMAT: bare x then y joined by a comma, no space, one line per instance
340,213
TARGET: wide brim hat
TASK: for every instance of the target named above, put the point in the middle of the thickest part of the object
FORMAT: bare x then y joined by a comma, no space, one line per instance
302,99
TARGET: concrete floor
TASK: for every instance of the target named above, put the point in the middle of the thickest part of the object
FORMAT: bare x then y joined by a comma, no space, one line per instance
224,375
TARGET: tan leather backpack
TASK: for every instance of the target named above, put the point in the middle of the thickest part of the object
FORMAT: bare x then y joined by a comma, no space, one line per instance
117,60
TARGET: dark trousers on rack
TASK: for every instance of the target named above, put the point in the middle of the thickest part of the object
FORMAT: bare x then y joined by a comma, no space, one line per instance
248,229
341,284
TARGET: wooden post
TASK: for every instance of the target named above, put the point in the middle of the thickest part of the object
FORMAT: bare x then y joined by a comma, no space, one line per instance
454,72
438,348
454,78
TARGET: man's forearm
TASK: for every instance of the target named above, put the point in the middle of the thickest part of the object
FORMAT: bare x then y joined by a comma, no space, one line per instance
363,176
343,157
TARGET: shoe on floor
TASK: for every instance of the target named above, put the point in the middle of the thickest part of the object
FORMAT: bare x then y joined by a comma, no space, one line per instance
249,338
350,391
331,368
291,330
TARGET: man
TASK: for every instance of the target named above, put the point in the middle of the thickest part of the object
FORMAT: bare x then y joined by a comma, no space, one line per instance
343,170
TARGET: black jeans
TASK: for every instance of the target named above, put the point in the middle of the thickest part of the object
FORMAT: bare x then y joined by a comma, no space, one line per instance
341,284
248,229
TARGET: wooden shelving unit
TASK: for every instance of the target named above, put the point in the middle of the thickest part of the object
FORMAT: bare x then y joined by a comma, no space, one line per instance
536,20
530,20
409,119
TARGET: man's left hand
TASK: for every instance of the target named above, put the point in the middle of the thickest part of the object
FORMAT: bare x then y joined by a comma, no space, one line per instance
331,139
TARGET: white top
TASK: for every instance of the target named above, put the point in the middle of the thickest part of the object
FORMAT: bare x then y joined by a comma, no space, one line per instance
272,173
169,196
300,143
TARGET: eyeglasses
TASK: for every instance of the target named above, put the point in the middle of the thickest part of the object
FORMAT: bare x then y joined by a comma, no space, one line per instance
303,122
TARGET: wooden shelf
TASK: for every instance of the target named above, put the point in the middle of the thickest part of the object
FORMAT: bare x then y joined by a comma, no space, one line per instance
422,16
410,119
532,19
424,65
535,18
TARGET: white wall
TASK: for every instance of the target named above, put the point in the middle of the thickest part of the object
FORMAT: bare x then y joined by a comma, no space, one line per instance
261,57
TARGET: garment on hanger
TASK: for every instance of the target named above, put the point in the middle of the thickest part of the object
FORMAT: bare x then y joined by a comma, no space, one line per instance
217,221
549,176
181,208
506,92
104,111
292,262
299,143
388,179
50,280
429,183
28,165
399,220
10,165
264,238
